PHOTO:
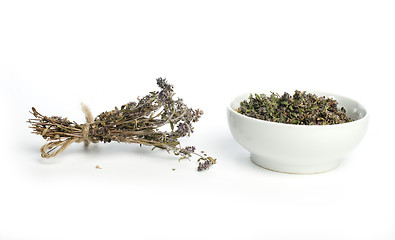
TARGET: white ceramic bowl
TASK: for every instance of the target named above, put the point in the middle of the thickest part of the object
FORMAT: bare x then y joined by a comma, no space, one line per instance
294,148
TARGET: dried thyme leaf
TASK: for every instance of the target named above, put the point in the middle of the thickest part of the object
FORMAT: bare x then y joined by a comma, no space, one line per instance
302,108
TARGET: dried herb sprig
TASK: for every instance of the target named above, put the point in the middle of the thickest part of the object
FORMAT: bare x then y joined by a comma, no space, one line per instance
302,108
140,122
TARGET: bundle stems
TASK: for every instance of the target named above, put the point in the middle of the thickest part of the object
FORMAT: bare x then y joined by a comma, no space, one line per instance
135,122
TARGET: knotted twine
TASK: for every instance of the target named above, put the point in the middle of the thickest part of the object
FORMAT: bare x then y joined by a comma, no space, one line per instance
47,150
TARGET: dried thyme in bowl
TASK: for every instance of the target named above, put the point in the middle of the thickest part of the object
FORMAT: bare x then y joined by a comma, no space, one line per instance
302,108
143,122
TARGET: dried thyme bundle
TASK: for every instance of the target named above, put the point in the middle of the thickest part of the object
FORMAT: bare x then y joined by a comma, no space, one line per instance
302,108
139,122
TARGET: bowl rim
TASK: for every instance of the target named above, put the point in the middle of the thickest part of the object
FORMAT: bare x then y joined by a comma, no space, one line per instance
324,93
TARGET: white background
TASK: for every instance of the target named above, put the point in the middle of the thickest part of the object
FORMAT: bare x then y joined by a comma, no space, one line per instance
56,54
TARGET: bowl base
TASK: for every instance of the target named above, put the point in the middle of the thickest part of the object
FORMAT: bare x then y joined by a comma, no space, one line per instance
276,166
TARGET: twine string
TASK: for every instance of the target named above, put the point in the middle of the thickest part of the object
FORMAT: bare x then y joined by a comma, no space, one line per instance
52,149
